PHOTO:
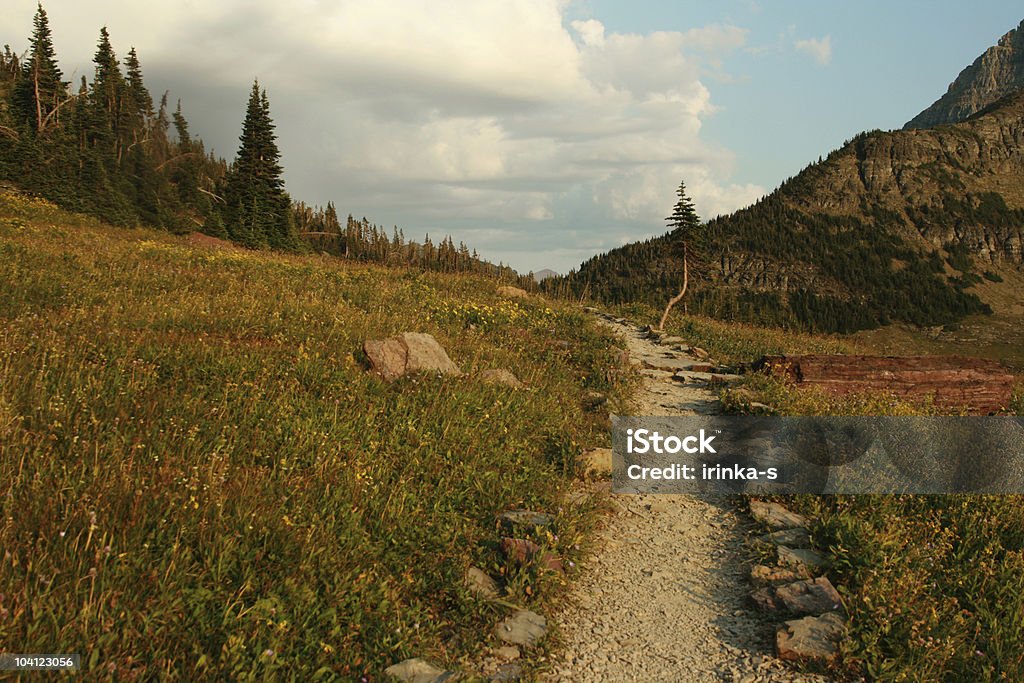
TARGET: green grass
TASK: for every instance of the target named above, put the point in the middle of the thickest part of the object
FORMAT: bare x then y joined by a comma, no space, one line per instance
200,480
934,585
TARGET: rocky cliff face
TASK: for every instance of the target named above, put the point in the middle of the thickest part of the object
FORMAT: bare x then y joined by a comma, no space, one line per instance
992,76
916,173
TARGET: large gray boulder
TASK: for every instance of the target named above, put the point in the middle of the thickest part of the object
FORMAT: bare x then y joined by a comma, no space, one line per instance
408,352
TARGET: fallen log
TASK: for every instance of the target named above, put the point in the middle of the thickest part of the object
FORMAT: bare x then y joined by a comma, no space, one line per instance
951,382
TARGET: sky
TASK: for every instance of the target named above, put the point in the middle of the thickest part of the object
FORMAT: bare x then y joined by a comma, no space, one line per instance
539,132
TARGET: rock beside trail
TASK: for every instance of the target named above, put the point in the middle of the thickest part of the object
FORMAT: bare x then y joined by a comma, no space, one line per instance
794,538
760,575
417,671
775,516
801,559
519,550
481,584
815,638
524,628
501,377
813,596
408,352
510,519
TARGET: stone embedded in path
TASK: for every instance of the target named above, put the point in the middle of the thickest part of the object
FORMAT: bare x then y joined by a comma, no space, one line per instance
481,584
775,516
417,671
689,375
814,596
506,672
701,367
408,352
524,628
667,364
501,377
801,558
699,353
815,638
667,341
511,519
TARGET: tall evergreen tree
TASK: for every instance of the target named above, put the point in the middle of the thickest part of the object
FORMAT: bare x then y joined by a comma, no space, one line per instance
181,128
258,208
108,93
138,102
40,90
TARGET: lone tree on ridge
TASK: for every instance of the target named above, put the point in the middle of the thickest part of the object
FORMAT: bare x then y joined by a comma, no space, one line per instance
686,232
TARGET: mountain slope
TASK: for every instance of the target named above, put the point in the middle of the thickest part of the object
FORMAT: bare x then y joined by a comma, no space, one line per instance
892,226
996,73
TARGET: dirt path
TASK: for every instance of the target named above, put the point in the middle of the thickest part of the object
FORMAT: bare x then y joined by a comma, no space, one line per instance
665,597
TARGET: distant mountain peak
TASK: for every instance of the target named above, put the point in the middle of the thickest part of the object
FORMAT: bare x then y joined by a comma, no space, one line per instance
544,274
998,72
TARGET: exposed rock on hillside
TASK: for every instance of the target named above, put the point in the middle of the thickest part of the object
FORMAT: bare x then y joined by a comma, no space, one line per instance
996,73
408,352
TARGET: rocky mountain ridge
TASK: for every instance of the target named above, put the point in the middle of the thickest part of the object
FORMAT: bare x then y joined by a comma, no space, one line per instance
972,172
998,72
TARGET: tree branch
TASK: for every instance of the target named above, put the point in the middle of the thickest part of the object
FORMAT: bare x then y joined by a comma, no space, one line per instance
180,156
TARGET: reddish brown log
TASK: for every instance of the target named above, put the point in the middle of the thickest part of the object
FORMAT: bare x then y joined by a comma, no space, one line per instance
951,382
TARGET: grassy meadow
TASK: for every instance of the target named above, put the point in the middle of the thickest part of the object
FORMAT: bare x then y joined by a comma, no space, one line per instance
934,585
200,480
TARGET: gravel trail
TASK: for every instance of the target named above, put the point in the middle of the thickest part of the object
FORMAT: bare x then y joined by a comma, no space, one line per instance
664,598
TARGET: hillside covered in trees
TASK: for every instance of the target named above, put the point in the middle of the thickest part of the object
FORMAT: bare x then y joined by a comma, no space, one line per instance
891,227
104,147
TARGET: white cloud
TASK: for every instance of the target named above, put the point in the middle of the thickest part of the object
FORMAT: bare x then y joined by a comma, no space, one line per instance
818,48
444,114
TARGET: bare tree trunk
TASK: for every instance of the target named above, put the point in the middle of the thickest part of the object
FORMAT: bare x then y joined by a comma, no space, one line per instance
682,292
39,104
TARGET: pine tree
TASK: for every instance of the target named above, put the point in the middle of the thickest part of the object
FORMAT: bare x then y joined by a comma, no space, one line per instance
686,229
181,128
108,92
259,210
138,101
40,90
